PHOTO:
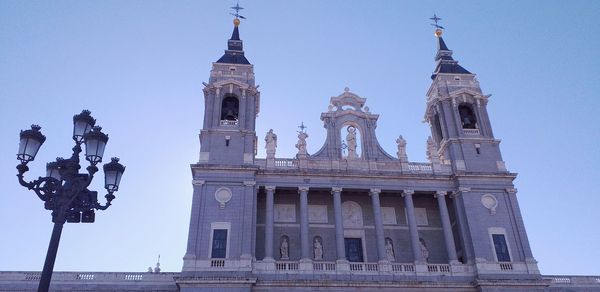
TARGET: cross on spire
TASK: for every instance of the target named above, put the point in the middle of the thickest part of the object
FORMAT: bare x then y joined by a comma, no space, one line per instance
237,9
436,19
302,127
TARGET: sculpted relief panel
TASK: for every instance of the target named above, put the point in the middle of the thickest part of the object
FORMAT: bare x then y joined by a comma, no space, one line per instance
352,214
285,213
389,215
317,214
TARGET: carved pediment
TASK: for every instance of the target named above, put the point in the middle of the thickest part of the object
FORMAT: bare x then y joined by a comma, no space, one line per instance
346,99
460,92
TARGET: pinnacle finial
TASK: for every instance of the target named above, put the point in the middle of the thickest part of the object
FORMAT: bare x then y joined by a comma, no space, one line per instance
237,15
438,28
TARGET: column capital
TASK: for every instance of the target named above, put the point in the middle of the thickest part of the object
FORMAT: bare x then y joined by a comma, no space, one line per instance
249,183
408,193
464,189
374,191
303,189
270,188
440,194
198,182
511,190
336,189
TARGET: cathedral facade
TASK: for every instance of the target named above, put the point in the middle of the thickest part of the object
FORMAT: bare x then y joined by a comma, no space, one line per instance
350,216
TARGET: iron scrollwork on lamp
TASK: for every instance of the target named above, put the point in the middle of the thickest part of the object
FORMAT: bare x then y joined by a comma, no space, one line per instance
64,190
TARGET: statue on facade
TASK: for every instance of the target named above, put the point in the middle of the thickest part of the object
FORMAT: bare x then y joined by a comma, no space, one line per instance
301,145
284,249
351,142
401,148
432,151
271,143
318,249
424,250
389,249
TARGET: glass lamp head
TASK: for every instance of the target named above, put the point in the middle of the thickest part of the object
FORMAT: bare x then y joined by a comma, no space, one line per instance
82,124
113,171
29,144
95,142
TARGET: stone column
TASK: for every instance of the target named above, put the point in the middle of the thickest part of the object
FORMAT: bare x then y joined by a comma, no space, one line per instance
463,231
304,240
412,226
247,224
269,223
374,193
447,227
339,223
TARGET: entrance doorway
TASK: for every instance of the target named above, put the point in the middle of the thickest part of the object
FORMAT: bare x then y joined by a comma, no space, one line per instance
354,251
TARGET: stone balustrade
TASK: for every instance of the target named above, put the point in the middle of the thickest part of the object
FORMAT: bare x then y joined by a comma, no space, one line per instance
229,123
473,132
590,281
392,167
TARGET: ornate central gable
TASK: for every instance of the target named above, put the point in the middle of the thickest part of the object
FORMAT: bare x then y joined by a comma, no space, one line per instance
350,130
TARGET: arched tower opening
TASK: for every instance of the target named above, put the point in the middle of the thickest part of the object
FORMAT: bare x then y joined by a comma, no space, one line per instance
467,116
230,108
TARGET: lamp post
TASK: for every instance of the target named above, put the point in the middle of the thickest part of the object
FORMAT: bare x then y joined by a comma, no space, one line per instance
63,189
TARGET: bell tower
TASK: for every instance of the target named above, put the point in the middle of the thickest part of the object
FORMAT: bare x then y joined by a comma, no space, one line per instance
221,234
231,104
457,114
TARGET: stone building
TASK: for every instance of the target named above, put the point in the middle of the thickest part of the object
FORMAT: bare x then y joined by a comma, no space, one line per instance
349,216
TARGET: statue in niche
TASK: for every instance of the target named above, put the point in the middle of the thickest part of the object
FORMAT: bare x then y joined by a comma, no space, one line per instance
284,249
351,142
424,249
401,148
301,145
389,249
318,249
432,151
271,143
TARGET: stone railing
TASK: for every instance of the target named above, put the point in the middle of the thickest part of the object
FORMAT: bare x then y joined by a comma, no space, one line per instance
286,163
90,277
438,268
391,167
286,266
365,268
592,281
471,132
229,123
420,167
402,268
324,266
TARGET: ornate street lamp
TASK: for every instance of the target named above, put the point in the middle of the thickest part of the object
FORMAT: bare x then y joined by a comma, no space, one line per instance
63,189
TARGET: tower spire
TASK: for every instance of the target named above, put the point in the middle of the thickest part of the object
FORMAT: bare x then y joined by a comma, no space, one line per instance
235,47
443,57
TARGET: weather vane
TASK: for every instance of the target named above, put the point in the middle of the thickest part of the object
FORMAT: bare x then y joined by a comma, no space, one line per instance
436,19
237,9
302,127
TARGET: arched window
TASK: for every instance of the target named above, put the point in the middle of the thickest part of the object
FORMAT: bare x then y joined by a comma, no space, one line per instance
467,117
230,109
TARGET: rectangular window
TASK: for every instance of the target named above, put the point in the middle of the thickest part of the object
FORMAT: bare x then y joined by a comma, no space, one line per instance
501,247
219,244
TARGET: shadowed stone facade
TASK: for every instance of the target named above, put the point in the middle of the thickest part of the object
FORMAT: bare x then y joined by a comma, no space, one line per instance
350,216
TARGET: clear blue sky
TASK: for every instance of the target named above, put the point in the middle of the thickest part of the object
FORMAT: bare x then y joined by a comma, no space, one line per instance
139,67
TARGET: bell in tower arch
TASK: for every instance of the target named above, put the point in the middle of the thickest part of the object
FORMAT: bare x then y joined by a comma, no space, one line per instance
230,109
